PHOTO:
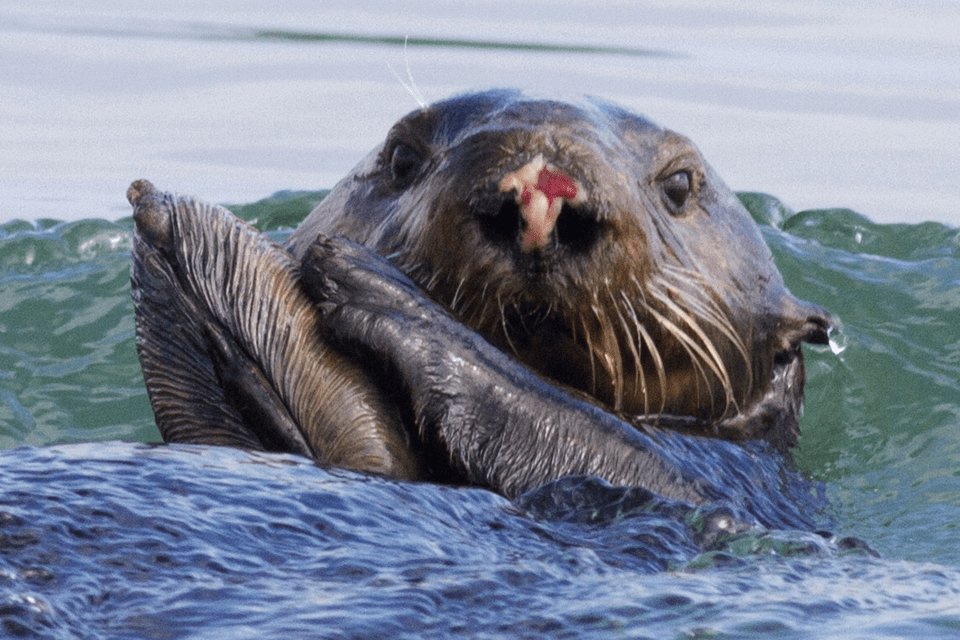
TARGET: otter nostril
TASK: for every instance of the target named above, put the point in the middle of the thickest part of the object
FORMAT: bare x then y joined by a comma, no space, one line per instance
577,228
500,224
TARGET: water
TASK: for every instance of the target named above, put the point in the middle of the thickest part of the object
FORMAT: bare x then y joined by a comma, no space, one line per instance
124,540
822,104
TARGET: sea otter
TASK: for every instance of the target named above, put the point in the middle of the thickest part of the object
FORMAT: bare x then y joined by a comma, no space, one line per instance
597,248
507,290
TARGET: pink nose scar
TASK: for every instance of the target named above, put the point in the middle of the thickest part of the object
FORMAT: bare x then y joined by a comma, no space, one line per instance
540,192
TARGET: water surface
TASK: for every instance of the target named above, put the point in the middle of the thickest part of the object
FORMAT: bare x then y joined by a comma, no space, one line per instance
116,540
821,103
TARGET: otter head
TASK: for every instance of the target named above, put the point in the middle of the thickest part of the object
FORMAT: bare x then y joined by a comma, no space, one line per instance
598,248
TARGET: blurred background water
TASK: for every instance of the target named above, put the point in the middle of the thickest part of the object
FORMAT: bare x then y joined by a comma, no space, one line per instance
822,103
846,112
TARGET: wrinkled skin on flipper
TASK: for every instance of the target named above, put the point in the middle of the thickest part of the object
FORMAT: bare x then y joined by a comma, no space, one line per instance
504,427
231,349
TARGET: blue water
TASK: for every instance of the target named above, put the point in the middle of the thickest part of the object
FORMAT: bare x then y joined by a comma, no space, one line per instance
128,541
103,536
108,539
823,103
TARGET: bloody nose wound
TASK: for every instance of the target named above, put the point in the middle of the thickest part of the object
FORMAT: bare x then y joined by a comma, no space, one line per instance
540,191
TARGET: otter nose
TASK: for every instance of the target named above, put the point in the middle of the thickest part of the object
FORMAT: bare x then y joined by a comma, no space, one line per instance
540,192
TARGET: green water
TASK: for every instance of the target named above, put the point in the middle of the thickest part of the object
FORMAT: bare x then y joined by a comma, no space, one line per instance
881,421
67,348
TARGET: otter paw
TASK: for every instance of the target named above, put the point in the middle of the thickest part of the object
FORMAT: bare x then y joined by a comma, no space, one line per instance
364,299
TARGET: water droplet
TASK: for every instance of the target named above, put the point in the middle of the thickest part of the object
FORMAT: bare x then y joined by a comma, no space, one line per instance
837,338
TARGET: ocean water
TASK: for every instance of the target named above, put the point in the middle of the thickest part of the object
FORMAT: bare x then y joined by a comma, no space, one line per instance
824,104
104,536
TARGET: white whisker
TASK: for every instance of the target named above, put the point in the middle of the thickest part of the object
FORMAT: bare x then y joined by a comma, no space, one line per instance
409,83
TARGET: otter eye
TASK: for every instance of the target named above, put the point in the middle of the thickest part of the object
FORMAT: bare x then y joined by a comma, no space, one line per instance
676,190
404,163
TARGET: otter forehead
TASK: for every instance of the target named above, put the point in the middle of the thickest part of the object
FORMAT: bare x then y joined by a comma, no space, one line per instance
475,139
449,122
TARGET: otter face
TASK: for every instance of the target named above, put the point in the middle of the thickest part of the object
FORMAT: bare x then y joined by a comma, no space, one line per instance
598,248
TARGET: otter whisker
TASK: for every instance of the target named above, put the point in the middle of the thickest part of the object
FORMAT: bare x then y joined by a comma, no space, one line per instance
636,345
456,296
706,349
705,346
641,295
638,289
658,364
590,350
610,351
410,85
639,380
708,310
504,324
698,358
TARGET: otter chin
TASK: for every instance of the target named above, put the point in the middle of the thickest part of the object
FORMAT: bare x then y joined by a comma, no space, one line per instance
507,290
597,248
